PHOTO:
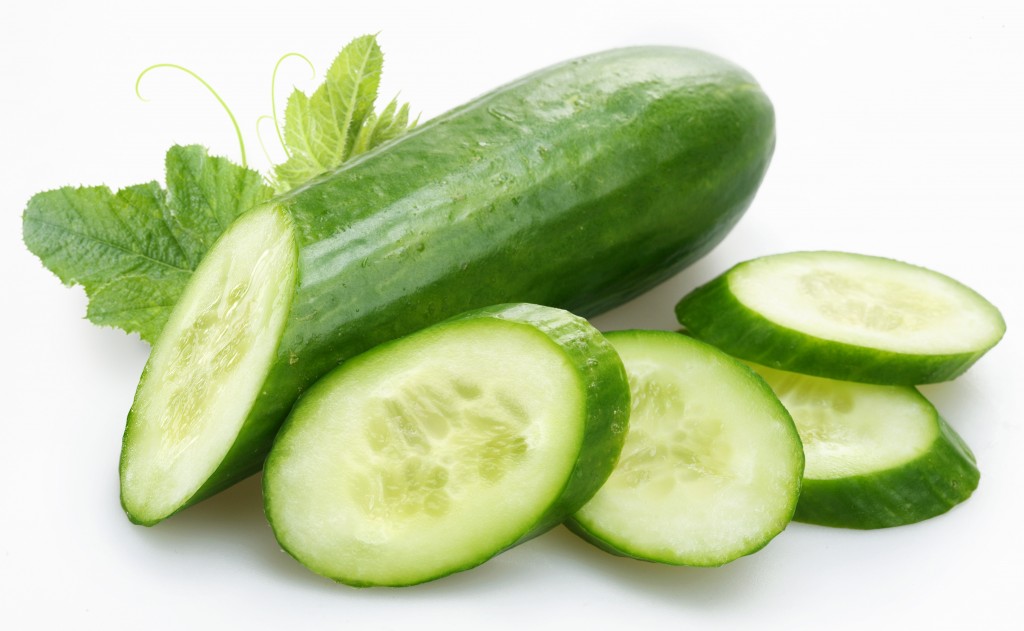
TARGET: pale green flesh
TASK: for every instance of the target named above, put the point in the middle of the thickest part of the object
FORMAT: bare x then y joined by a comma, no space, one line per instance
711,466
206,369
851,429
428,456
867,301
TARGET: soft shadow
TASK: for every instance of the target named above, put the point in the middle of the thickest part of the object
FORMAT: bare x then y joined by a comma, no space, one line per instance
231,525
685,587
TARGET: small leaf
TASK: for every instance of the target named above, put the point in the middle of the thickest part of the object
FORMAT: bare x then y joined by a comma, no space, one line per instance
337,121
351,88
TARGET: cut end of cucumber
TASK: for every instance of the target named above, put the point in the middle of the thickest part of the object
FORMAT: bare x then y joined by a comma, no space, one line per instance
712,463
868,301
206,368
428,455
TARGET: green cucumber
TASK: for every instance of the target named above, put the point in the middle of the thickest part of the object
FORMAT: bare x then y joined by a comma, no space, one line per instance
712,464
844,316
877,456
432,453
578,186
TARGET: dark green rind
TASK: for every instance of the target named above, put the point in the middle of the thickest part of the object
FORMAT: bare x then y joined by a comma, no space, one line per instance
579,186
622,548
602,378
928,486
713,313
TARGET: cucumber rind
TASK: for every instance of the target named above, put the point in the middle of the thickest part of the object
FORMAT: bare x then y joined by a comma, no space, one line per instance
604,414
925,487
714,314
589,528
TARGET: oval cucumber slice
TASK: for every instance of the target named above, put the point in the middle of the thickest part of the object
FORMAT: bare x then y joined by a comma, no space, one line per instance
844,316
712,463
433,453
877,456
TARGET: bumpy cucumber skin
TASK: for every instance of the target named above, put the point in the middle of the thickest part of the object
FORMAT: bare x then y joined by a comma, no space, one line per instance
579,186
606,417
623,548
921,489
713,313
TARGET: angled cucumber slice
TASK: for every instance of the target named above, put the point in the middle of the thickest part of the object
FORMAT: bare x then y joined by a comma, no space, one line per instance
877,456
844,316
433,453
712,463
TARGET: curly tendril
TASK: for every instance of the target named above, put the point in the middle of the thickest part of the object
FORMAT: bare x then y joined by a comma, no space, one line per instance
234,122
273,96
259,137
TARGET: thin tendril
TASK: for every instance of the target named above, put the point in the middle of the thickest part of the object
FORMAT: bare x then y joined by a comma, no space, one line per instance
273,95
234,122
259,136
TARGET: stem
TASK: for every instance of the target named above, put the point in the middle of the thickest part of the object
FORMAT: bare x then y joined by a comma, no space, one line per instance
273,95
234,122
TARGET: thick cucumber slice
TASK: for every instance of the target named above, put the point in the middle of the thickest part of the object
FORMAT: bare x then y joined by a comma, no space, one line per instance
877,456
844,316
712,463
433,453
206,369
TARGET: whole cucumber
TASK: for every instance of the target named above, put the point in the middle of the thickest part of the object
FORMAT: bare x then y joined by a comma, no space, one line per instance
579,186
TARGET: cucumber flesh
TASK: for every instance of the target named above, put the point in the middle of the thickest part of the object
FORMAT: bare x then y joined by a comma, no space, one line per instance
712,463
844,316
433,453
877,456
206,369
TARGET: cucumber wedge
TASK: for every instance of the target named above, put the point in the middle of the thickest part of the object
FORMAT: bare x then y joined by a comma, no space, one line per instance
844,316
712,463
433,453
877,456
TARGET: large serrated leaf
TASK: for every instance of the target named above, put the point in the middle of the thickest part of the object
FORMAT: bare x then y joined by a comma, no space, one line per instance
133,251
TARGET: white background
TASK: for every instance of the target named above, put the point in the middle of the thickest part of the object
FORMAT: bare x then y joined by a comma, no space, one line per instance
900,133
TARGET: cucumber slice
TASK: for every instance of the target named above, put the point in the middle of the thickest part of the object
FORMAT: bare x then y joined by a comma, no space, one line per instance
844,316
712,463
877,456
433,453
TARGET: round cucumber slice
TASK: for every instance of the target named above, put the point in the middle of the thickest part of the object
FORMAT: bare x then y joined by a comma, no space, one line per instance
712,463
844,316
433,453
877,456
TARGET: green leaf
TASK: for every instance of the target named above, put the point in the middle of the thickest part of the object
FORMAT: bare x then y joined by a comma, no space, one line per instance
337,121
133,251
392,122
206,194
